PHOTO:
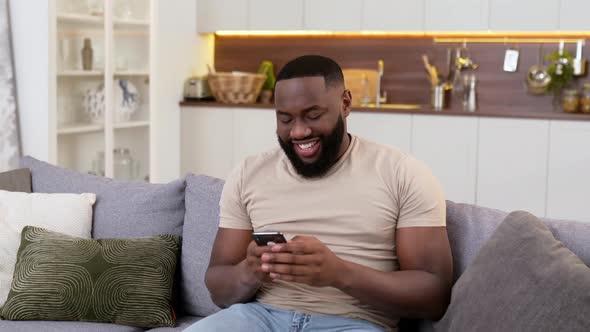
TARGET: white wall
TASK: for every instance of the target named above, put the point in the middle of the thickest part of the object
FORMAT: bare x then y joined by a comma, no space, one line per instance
172,58
30,40
177,53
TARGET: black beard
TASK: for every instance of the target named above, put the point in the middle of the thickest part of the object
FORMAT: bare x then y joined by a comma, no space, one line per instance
328,155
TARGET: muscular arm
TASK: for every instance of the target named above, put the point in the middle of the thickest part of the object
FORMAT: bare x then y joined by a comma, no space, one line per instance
421,288
232,276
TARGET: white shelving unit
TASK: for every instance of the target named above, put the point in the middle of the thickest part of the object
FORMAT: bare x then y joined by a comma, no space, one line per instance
121,35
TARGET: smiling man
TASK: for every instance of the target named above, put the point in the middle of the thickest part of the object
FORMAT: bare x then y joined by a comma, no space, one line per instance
365,223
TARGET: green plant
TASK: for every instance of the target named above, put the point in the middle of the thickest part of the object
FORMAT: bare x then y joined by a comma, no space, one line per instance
561,70
267,68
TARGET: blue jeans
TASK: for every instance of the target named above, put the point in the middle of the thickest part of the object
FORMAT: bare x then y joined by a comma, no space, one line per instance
254,317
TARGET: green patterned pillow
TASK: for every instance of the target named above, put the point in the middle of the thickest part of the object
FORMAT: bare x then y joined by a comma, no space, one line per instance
123,281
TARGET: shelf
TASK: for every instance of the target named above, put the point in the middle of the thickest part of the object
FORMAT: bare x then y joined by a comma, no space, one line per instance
131,73
84,128
79,128
80,19
131,124
80,73
131,23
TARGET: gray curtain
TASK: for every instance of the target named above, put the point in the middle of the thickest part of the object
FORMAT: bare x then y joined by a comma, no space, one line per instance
9,133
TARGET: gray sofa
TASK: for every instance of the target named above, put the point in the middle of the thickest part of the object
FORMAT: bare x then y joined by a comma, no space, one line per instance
189,207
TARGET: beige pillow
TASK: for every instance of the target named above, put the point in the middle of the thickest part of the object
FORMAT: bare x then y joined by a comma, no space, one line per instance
70,214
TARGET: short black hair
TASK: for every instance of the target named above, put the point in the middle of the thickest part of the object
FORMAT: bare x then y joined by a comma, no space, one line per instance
312,66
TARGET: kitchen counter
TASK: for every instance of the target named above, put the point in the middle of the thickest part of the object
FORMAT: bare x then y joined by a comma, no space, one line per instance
488,111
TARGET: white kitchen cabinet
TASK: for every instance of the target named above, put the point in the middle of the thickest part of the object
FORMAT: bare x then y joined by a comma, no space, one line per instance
333,15
207,141
512,164
448,145
275,15
254,132
569,171
385,128
573,15
393,15
456,15
222,15
524,15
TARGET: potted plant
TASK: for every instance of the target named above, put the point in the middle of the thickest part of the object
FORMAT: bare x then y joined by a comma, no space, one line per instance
267,69
561,71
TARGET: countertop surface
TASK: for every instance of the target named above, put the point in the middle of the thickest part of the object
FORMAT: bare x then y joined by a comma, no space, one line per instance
501,112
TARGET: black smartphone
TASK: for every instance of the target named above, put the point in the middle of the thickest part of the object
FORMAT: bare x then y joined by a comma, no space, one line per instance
268,238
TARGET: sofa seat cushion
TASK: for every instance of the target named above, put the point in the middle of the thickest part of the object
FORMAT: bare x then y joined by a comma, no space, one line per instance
53,326
522,279
122,209
181,324
200,228
123,281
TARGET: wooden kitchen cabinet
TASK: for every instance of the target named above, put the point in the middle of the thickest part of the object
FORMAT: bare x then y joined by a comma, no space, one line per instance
391,129
448,145
525,15
573,15
512,164
222,15
569,171
393,15
275,15
456,15
333,15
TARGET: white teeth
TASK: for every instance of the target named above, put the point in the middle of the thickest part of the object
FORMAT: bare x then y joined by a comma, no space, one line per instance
306,146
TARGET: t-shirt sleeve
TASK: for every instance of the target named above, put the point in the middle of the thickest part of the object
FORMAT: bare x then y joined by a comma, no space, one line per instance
232,210
421,197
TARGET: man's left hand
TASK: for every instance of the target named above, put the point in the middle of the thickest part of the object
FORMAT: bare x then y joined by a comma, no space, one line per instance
304,260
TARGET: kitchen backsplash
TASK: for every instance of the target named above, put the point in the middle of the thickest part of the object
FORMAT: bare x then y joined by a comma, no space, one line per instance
405,79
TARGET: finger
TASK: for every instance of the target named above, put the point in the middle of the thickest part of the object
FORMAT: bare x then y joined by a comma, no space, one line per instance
294,247
259,250
286,258
289,269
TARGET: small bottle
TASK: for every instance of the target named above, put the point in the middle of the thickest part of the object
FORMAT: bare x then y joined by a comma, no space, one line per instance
585,99
366,96
571,100
471,105
87,55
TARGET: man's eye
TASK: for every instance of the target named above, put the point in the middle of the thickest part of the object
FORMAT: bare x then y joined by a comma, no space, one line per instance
314,116
285,120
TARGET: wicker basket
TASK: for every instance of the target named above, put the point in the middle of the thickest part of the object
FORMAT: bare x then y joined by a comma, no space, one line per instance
236,88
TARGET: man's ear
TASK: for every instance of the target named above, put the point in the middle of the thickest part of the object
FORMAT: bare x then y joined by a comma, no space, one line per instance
346,102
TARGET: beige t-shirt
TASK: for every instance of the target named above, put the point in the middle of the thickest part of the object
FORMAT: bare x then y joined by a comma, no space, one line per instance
354,210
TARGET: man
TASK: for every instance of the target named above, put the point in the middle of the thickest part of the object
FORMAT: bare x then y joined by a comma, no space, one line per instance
365,224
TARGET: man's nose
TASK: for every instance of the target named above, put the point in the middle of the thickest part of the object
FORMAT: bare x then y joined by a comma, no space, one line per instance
300,130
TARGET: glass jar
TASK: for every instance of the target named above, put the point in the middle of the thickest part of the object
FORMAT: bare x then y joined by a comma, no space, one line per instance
585,99
124,167
571,100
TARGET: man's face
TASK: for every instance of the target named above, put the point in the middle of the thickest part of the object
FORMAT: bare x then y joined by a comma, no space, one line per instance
311,123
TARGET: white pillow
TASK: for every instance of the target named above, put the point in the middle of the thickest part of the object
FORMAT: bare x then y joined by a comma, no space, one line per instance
65,213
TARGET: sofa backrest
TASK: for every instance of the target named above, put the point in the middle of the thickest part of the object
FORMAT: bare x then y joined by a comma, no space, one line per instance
470,226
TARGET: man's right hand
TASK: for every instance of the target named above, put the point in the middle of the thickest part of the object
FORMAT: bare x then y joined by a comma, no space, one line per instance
235,269
254,263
